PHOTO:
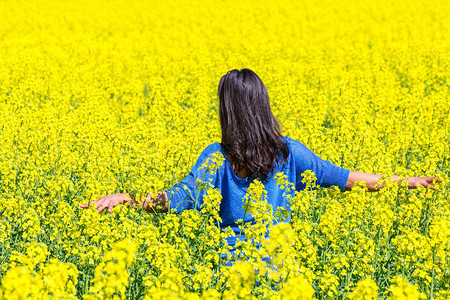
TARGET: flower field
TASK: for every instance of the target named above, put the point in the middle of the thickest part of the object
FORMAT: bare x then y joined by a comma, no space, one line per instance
102,97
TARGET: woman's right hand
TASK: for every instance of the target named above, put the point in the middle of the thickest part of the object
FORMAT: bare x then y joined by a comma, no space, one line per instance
109,201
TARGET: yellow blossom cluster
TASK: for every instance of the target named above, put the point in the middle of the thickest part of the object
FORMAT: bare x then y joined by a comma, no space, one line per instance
100,97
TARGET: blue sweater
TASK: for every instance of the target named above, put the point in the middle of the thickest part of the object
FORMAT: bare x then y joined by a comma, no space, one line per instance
234,188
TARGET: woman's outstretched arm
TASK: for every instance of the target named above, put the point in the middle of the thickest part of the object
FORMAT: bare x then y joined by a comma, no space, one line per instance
150,203
373,185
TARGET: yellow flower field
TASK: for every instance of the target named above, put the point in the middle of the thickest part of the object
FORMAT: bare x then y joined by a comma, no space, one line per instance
98,97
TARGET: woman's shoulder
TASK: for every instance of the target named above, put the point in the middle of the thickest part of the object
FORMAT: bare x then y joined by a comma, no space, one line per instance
297,149
211,154
290,142
210,150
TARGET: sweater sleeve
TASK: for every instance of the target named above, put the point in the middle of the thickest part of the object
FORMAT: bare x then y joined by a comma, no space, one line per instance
326,172
188,194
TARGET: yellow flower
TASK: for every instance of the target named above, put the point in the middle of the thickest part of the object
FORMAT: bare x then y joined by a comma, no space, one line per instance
365,289
401,289
100,97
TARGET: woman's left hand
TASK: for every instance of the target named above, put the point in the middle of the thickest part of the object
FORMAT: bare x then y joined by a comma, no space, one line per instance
109,201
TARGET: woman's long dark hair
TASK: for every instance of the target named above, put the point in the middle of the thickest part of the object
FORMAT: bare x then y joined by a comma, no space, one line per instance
251,136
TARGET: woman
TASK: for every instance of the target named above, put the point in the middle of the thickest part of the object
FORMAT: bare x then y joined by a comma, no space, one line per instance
253,148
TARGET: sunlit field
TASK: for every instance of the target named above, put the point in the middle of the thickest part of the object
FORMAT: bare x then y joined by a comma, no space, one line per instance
101,97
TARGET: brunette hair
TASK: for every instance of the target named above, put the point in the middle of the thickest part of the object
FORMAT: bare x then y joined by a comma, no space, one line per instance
251,136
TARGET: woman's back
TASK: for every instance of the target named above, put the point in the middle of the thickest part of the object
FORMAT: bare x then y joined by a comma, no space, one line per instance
233,189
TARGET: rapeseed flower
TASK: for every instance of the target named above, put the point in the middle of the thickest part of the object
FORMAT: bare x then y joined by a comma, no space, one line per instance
99,97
